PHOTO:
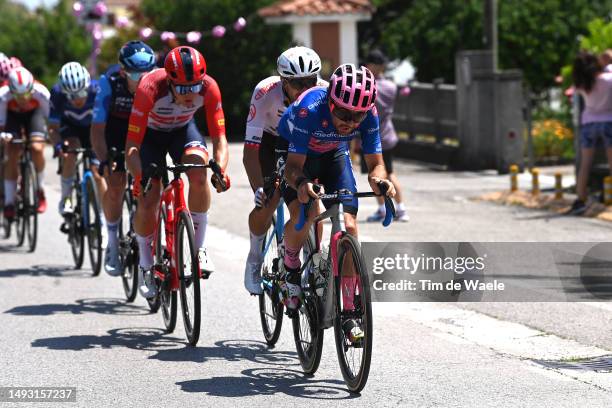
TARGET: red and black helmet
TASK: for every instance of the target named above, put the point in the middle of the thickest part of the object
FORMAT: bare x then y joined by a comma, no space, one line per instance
185,65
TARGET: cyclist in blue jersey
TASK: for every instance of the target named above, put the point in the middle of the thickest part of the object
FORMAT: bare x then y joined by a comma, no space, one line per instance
71,110
111,114
318,127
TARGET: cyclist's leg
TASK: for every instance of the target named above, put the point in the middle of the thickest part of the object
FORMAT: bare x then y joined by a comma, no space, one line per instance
261,217
69,136
37,130
152,150
14,125
190,148
112,199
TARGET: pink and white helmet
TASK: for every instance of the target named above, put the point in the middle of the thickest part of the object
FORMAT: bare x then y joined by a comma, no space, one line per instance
353,88
16,62
6,65
20,81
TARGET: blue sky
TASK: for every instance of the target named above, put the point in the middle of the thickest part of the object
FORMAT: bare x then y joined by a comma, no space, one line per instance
31,4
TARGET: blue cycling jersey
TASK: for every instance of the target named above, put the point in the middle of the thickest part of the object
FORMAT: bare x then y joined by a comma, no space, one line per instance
62,111
114,100
307,125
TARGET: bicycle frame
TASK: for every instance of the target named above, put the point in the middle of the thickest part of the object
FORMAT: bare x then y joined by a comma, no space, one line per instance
173,199
278,227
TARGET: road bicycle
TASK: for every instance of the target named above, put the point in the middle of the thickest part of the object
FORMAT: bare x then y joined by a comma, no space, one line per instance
26,199
335,292
84,218
176,266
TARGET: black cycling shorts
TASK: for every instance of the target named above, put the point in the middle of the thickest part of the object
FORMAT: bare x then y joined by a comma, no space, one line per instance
33,123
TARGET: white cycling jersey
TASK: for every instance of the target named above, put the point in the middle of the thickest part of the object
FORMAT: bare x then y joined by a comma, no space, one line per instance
267,107
39,100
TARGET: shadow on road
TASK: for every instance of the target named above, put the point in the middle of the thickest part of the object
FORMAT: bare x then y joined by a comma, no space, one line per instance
81,306
170,348
57,271
269,381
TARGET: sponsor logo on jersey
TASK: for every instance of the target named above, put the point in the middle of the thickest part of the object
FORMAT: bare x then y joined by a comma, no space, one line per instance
263,91
136,112
133,128
252,113
303,113
221,122
325,123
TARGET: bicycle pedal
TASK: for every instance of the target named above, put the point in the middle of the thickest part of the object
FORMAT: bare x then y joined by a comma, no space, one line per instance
65,228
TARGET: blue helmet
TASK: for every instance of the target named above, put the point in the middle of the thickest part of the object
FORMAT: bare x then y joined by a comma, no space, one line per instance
137,56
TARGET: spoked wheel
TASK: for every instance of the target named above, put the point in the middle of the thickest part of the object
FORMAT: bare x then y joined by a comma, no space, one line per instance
161,264
74,220
189,277
353,320
30,206
128,250
270,306
94,227
20,211
307,333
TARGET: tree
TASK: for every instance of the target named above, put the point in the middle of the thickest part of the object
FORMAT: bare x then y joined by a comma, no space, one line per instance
238,61
43,40
538,37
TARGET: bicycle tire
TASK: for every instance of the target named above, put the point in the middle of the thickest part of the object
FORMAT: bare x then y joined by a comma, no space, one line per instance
20,207
308,320
188,277
76,236
93,230
31,206
348,245
270,304
159,262
129,249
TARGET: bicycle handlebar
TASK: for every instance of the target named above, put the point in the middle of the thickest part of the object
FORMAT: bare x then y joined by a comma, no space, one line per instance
345,195
154,171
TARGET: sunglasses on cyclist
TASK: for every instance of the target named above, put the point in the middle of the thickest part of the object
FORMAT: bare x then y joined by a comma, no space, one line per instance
346,115
24,96
301,83
78,95
188,89
134,76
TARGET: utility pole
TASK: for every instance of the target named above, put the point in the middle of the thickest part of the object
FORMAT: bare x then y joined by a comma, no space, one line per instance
490,29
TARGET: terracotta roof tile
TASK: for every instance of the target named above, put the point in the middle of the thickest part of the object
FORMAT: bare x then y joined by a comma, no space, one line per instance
316,7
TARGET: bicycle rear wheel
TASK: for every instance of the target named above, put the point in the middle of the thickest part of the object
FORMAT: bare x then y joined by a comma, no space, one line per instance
354,356
93,229
30,205
20,208
307,333
128,249
189,277
270,305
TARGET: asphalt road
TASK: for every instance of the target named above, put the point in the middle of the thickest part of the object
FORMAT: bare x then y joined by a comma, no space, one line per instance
62,327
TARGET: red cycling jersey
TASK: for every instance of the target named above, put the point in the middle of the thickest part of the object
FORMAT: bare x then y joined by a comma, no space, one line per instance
154,107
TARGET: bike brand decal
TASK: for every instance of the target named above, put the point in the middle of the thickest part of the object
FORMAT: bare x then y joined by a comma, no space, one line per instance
252,113
133,128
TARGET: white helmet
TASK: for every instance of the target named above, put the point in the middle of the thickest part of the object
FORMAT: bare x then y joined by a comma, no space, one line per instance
74,78
298,62
20,81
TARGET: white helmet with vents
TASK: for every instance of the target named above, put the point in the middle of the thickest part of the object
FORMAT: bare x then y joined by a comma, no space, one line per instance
74,78
20,81
298,62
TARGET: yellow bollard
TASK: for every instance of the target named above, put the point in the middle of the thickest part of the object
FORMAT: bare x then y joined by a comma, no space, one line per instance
514,177
608,190
558,186
535,182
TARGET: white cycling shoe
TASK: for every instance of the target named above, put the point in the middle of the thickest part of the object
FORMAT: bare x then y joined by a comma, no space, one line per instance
292,294
112,261
206,264
146,283
252,278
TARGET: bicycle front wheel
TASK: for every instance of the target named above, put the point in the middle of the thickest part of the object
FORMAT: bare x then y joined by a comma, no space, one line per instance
270,305
31,207
353,312
189,277
307,333
93,228
128,249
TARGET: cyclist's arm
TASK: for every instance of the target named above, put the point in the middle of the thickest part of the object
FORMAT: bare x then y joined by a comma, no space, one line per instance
143,103
54,116
253,135
215,119
296,132
100,115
